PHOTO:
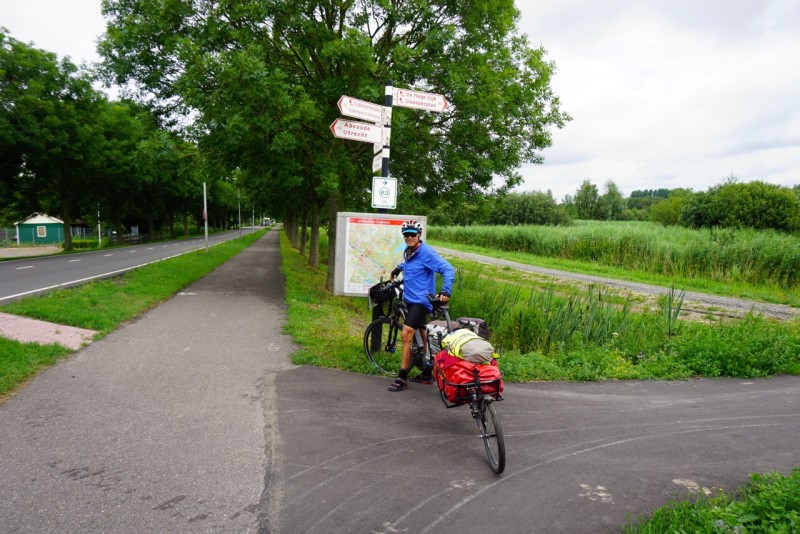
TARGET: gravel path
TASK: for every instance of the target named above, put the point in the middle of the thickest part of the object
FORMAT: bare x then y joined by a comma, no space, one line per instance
698,304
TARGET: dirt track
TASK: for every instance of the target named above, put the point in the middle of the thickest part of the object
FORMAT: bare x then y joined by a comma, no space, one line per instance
695,304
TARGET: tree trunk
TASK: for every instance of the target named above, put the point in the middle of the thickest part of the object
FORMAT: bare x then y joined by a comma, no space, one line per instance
291,227
334,207
303,232
151,226
313,249
67,224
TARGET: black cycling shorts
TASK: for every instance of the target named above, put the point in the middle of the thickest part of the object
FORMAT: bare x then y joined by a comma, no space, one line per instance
416,315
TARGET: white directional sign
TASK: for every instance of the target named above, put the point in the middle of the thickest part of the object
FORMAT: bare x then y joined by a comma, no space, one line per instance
384,192
360,109
418,100
377,162
357,131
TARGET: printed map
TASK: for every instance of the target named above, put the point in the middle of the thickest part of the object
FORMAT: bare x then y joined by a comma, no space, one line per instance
374,247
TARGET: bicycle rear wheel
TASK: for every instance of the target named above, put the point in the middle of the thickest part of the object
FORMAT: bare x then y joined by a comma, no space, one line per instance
492,434
383,344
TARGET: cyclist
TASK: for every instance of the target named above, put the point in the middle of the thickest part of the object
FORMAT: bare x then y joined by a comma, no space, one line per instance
419,268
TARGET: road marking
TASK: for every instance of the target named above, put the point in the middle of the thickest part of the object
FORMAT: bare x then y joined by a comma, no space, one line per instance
26,267
597,493
107,255
691,485
73,261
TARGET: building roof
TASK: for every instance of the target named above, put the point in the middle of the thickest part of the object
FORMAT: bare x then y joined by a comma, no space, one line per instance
40,218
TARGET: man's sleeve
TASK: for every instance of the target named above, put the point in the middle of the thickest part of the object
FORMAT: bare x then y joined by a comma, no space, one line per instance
444,268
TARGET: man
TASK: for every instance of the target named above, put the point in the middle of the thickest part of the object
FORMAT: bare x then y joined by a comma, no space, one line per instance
419,280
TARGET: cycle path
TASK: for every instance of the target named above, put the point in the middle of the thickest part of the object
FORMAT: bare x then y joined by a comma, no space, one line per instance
192,419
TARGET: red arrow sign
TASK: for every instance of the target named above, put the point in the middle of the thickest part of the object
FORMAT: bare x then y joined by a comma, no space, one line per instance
357,131
360,109
418,100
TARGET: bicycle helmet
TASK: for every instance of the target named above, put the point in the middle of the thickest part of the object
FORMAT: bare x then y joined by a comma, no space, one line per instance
411,227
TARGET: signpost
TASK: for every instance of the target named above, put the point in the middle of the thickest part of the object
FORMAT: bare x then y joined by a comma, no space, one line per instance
360,109
384,192
384,189
407,98
357,131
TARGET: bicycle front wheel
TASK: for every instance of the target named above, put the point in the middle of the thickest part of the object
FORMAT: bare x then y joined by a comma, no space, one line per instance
492,434
383,344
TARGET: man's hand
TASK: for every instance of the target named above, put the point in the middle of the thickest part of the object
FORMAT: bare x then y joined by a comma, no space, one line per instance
442,297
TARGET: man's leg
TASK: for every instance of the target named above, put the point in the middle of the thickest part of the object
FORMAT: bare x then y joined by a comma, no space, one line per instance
401,383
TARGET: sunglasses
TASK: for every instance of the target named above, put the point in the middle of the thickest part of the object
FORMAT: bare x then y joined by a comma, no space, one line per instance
406,236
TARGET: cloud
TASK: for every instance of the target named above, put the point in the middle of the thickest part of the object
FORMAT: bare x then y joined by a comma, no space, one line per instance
679,93
66,27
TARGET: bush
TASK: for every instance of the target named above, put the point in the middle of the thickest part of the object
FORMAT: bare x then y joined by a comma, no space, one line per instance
749,348
529,209
756,205
769,503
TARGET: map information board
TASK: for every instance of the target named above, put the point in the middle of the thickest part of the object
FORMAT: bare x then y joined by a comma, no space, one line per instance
368,247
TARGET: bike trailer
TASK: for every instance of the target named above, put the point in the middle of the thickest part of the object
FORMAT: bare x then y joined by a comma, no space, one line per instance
468,345
437,330
455,377
478,326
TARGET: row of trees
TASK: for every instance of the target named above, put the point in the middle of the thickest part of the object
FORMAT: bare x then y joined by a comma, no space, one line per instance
731,204
67,150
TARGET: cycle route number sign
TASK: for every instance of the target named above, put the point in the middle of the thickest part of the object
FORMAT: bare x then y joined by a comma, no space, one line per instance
384,192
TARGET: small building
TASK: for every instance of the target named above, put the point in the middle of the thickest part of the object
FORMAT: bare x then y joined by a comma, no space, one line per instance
40,229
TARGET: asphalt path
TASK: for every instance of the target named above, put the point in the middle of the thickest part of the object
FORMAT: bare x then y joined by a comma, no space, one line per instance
20,278
192,419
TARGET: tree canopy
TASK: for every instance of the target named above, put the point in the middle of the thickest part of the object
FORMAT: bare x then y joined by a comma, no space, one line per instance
260,80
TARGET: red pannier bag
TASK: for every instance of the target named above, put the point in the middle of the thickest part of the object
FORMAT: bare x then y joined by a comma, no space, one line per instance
453,375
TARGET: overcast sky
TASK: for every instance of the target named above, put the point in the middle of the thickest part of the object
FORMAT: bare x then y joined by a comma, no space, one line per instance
663,93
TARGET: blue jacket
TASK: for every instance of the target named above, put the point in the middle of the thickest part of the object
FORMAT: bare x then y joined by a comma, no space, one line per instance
419,275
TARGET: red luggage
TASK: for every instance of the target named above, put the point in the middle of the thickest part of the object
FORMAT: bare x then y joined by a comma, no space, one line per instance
454,375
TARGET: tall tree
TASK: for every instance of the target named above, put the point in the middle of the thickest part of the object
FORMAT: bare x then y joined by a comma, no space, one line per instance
587,200
611,203
265,76
52,112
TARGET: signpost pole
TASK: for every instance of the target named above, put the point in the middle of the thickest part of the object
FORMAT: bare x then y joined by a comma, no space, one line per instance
388,101
205,215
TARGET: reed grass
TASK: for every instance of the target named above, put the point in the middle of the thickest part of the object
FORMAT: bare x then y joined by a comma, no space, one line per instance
758,257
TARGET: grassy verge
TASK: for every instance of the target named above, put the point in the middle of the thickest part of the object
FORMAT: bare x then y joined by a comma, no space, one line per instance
327,328
104,304
768,503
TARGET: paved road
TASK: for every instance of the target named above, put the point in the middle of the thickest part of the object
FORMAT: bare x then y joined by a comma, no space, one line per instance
19,278
192,419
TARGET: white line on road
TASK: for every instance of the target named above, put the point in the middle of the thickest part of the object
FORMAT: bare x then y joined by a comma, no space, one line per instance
73,261
26,267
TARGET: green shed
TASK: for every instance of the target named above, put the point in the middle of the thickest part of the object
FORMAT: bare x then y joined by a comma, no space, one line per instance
40,229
